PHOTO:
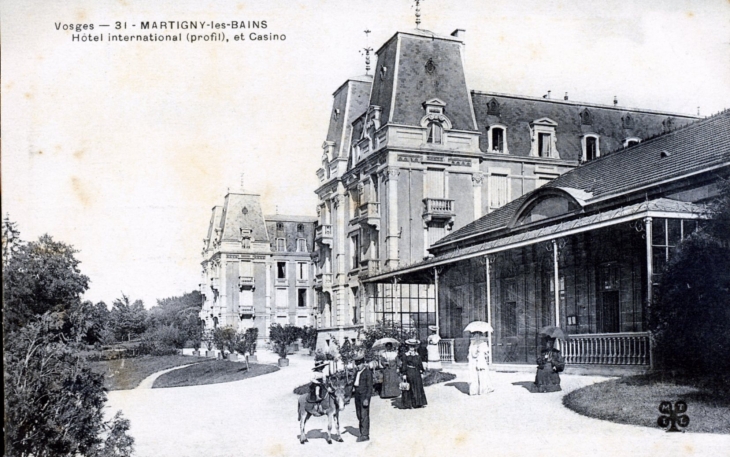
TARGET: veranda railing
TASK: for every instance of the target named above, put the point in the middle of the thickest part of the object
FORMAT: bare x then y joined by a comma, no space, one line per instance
608,349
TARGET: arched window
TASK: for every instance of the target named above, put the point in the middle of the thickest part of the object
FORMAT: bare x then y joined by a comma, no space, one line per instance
435,133
628,142
591,147
498,139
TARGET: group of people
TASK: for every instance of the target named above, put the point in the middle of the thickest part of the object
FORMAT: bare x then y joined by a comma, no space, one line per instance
399,373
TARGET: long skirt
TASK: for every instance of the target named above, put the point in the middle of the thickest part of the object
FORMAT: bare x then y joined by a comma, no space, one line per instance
546,380
415,397
479,382
390,383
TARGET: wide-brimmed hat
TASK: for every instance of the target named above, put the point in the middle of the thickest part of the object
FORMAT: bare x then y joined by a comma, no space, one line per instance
319,365
359,358
433,328
412,342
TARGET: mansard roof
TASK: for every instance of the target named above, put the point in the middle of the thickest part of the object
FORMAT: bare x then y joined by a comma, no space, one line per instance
242,211
613,124
350,101
417,66
636,173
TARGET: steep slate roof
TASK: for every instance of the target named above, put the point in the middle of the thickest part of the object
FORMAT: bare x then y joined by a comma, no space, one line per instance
234,217
699,146
405,56
215,222
517,111
351,99
286,218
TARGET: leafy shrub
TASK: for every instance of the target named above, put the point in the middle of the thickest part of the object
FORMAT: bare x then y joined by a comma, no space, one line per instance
283,336
309,337
54,402
246,341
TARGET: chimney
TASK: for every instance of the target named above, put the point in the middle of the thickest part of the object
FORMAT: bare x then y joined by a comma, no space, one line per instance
566,96
615,101
547,96
459,33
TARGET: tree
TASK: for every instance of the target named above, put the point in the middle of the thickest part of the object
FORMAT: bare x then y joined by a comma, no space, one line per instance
128,319
181,312
246,341
11,240
38,277
283,336
89,322
54,402
691,316
224,339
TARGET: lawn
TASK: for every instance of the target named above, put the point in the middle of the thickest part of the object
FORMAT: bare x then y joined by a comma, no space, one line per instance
635,400
123,374
211,372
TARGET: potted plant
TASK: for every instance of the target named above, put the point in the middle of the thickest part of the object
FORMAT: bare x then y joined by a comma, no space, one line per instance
281,337
208,341
245,344
225,339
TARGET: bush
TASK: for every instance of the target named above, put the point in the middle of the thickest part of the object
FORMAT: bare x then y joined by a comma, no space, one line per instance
309,337
283,336
165,340
691,316
54,402
224,338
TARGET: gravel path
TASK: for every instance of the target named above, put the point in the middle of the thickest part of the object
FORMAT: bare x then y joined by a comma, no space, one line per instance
258,417
149,380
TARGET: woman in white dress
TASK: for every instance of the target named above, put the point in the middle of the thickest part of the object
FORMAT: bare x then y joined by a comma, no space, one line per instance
479,379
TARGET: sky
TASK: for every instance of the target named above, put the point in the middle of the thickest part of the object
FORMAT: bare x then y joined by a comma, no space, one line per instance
121,149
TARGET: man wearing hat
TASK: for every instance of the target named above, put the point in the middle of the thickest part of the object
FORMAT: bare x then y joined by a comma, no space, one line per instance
363,390
318,386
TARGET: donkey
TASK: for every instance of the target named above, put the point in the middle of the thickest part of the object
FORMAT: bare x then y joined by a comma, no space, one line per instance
333,402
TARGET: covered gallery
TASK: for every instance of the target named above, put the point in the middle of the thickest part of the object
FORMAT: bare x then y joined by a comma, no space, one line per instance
583,252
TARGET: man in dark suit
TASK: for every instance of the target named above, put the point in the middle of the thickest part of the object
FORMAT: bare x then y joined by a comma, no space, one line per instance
363,390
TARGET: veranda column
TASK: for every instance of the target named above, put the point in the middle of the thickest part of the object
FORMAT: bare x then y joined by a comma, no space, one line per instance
649,285
392,236
340,264
649,257
489,303
556,291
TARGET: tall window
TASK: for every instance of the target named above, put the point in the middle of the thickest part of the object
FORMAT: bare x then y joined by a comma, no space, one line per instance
498,191
280,245
246,243
508,311
280,270
591,148
302,298
435,133
355,251
301,245
498,139
301,270
544,144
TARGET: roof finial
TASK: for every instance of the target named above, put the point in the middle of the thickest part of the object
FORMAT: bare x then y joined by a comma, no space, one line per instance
277,209
366,52
418,13
241,181
698,110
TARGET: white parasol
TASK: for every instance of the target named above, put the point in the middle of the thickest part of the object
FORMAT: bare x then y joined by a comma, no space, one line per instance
479,326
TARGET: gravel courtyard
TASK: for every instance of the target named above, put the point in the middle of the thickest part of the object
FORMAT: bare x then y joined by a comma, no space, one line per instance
258,417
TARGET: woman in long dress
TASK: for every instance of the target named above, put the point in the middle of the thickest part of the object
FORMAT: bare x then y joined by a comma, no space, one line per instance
479,380
550,362
389,364
411,368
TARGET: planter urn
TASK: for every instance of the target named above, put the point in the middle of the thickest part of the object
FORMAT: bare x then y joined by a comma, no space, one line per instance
283,362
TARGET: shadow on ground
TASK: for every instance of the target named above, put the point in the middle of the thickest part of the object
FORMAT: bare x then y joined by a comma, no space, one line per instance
462,387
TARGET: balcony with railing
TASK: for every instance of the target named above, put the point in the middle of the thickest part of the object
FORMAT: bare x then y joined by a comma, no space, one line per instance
608,349
368,213
438,209
246,283
370,267
323,234
246,311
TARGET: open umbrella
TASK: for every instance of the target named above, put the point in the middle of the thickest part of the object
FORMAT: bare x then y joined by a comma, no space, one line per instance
552,332
479,326
380,344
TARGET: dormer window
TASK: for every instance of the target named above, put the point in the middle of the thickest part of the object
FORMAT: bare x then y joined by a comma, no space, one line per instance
497,139
586,118
544,142
591,147
633,141
435,121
